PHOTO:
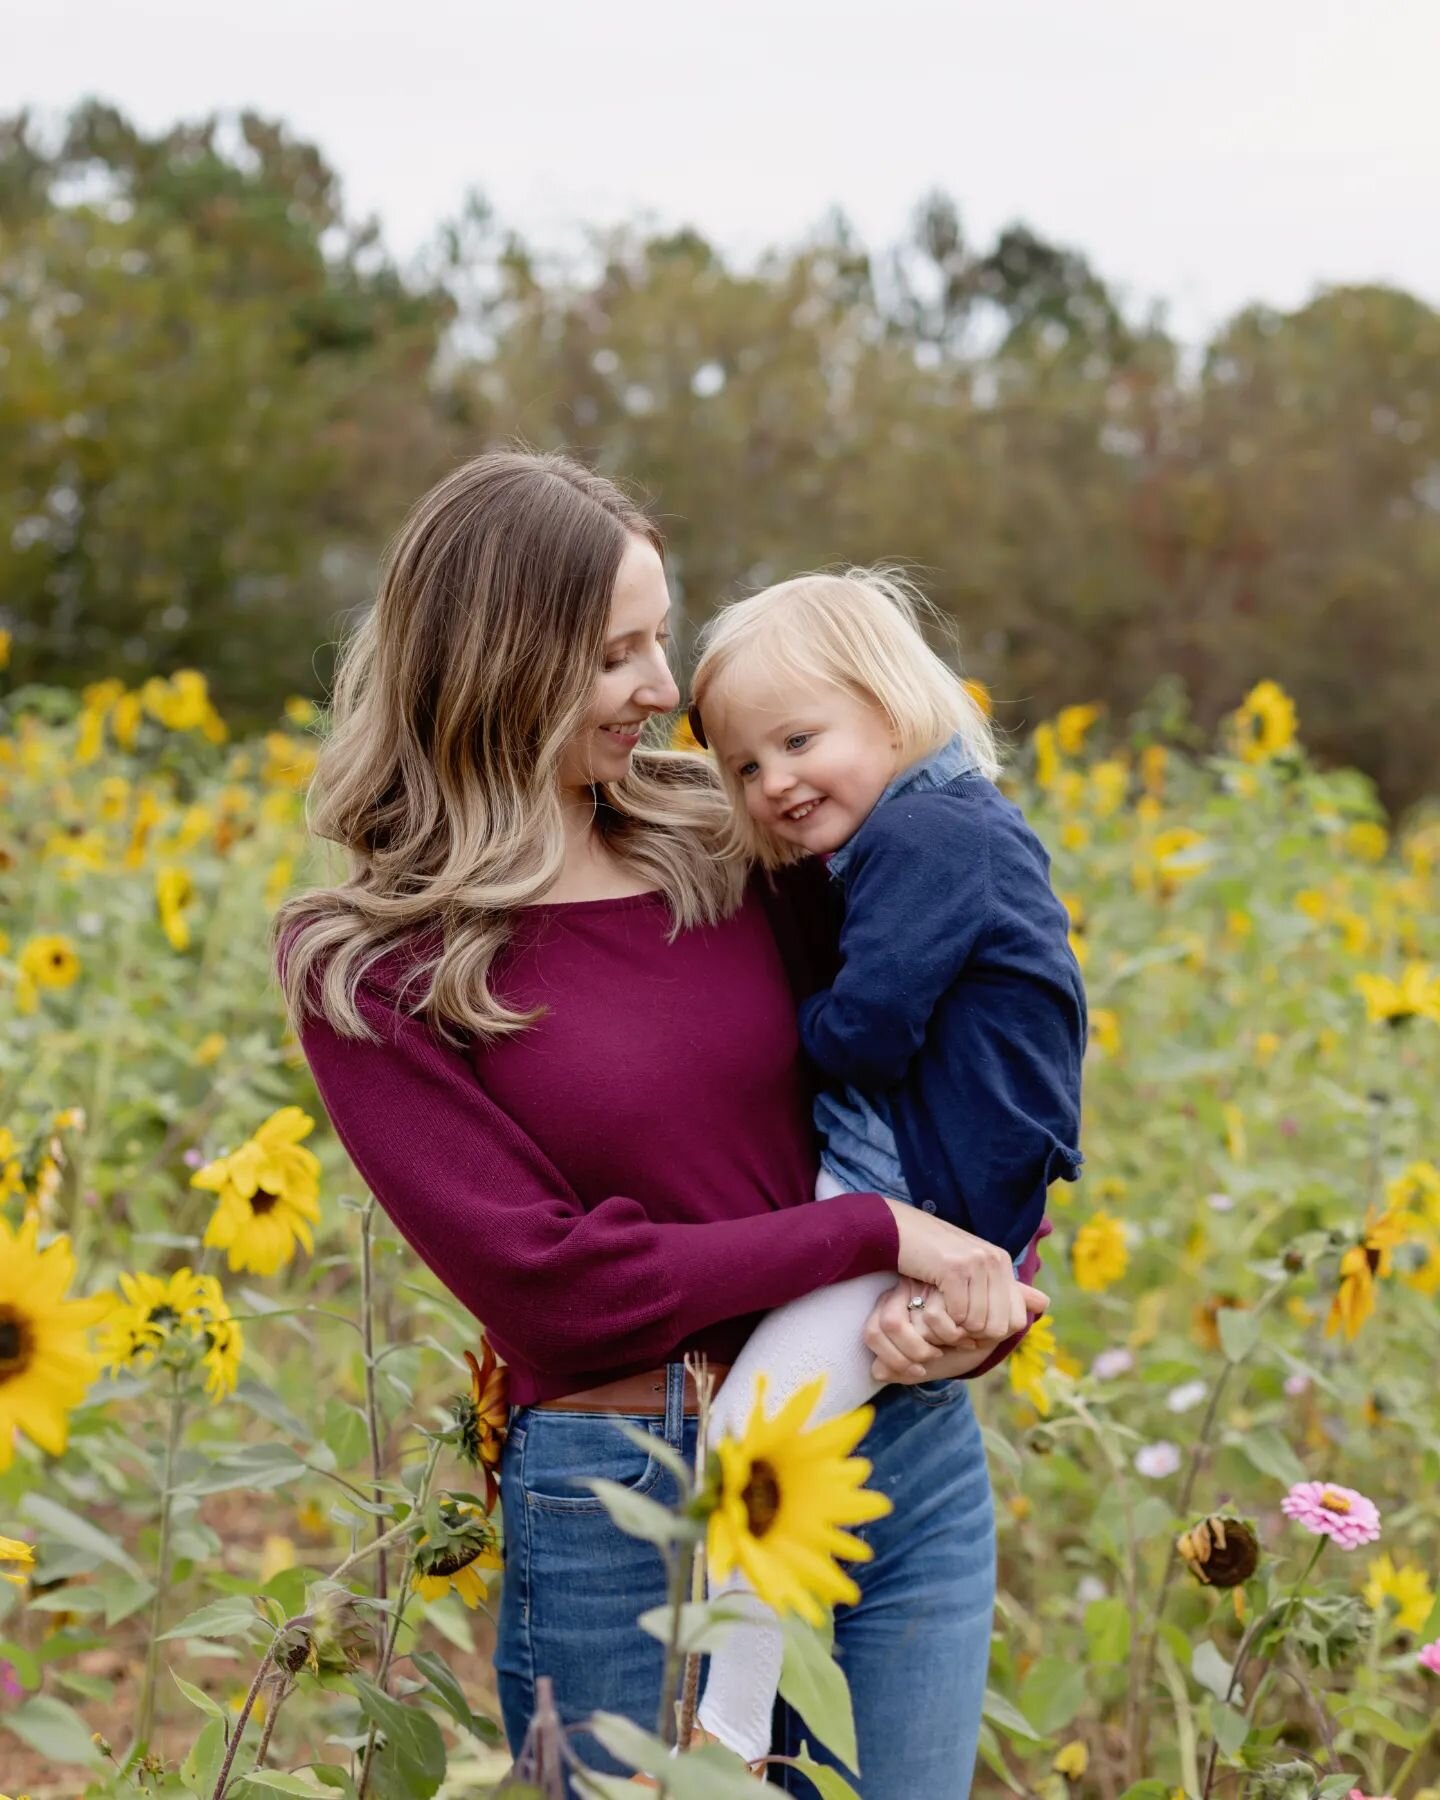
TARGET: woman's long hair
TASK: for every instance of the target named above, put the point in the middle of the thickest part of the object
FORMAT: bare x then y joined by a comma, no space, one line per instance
454,701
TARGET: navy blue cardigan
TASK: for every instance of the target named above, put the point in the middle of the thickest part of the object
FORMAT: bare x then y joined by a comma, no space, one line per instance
959,999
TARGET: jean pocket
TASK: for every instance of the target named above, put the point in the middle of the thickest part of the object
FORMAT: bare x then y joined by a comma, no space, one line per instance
560,1451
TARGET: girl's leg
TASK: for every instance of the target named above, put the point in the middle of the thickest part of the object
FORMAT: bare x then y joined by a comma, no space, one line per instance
916,1646
818,1334
574,1584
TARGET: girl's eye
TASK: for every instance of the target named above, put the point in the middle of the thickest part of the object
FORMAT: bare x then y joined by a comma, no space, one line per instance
746,770
797,740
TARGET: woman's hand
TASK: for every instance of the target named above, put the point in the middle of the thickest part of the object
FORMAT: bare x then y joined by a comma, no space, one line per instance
913,1344
975,1280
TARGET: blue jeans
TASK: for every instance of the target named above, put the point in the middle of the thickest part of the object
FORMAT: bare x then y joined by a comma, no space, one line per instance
915,1647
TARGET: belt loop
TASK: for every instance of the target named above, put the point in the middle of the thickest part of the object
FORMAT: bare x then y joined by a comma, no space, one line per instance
675,1405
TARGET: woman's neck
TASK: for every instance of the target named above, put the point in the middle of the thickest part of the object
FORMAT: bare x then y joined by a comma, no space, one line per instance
592,870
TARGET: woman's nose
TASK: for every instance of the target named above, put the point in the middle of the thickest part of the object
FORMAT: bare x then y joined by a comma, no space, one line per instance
658,692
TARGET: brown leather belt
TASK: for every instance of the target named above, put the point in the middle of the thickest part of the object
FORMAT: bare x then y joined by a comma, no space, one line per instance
644,1393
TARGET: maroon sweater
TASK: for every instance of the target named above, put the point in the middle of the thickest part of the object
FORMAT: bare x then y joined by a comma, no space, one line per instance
632,1176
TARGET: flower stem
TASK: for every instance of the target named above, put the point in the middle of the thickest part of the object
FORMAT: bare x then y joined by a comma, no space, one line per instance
1262,1687
145,1712
282,1694
372,1400
218,1791
1407,1768
666,1725
422,1494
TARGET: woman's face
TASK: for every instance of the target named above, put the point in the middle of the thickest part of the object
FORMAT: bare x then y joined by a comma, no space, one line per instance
634,680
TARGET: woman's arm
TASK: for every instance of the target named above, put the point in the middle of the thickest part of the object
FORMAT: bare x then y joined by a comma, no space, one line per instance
560,1286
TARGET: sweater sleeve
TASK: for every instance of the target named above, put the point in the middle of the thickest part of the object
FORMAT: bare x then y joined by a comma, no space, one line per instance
916,905
564,1286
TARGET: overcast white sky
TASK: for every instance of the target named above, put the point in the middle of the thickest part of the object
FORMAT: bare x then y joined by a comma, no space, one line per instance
1203,154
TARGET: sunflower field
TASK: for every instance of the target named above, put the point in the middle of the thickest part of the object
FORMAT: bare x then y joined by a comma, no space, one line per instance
246,1464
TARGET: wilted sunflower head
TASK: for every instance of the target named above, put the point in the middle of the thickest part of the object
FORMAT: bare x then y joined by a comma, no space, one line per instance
1220,1552
453,1555
481,1418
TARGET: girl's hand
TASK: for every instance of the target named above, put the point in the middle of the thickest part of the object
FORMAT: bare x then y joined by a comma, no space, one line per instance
913,1344
976,1280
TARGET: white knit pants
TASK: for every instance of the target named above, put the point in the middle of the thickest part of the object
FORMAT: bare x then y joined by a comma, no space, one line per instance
818,1334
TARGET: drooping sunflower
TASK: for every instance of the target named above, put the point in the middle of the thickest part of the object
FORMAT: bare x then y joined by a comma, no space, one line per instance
180,1320
1264,722
46,1363
1360,1265
269,1195
1071,725
466,1543
784,1492
482,1416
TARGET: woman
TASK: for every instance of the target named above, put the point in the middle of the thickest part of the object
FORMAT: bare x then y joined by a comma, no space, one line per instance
556,1034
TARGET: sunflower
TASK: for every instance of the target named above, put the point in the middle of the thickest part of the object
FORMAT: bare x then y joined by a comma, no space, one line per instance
481,1418
46,1363
1374,1255
1030,1359
466,1543
1071,725
180,1320
269,1195
1099,1255
783,1494
15,1550
1416,995
174,891
45,962
1220,1551
1265,722
1408,1586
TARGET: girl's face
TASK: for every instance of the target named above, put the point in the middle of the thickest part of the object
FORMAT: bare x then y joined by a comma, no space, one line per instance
811,764
633,681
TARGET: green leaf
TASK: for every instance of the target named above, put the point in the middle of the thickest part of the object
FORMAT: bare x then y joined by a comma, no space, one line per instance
24,1662
1210,1669
55,1730
451,1695
831,1783
123,1594
268,1404
640,1517
197,1697
232,1617
57,1521
1052,1692
813,1683
275,1781
1000,1711
1107,1630
261,1466
1149,1789
1239,1330
708,1774
704,1625
1230,1727
202,1766
1267,1450
346,1433
1360,1717
414,1748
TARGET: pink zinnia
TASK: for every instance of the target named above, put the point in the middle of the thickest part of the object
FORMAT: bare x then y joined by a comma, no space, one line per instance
1430,1657
1334,1512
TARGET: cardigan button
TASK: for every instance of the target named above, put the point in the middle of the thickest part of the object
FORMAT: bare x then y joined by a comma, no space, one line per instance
927,1206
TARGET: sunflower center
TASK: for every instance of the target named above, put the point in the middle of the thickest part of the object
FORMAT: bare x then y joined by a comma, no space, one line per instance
16,1343
452,1561
761,1495
262,1201
164,1315
1333,1502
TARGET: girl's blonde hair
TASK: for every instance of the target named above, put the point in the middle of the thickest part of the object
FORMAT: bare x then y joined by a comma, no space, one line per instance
453,704
860,631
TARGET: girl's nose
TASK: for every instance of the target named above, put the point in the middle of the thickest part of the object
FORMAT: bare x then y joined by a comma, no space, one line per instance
777,781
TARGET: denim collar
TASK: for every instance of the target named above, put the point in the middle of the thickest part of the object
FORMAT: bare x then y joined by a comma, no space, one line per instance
934,771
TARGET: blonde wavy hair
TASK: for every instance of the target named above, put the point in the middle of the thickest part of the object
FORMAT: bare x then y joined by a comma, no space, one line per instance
859,630
439,778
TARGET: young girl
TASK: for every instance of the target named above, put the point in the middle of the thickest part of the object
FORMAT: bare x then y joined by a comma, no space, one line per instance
950,1041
